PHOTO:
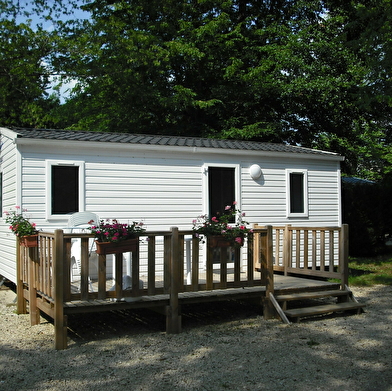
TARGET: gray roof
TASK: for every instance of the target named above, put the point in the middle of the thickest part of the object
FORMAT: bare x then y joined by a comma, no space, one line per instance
181,141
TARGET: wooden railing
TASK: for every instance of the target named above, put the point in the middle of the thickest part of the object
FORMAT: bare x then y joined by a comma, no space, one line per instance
311,251
165,263
168,266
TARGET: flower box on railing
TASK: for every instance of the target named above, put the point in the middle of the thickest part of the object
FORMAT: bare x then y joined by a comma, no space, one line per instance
218,241
221,241
123,246
29,241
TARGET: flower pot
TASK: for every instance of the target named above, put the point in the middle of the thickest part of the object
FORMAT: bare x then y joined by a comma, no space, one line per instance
29,241
218,241
124,246
222,241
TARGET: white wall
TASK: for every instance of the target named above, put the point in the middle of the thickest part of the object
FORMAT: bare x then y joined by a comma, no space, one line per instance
163,187
9,167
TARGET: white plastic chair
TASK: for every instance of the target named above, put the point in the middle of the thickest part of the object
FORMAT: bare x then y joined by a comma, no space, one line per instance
80,221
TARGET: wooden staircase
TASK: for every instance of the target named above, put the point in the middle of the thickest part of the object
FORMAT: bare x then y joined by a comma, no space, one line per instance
345,301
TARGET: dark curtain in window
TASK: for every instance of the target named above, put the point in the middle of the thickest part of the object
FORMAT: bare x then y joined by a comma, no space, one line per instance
297,193
221,188
65,189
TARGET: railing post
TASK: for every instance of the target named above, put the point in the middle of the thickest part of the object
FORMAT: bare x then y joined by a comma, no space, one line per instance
268,269
32,282
343,255
21,307
60,320
173,318
286,249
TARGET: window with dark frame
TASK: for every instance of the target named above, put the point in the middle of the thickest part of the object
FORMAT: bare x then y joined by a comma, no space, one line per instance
65,189
297,202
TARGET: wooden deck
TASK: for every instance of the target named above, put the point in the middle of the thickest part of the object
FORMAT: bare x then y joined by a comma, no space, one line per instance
170,273
283,285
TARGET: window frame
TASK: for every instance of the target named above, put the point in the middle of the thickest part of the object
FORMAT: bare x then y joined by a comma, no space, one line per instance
305,200
48,192
237,181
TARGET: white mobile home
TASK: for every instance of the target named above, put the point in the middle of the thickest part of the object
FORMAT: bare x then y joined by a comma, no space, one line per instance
163,180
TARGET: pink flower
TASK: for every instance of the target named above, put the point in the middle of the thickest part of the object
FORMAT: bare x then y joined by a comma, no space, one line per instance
235,203
214,219
228,207
238,239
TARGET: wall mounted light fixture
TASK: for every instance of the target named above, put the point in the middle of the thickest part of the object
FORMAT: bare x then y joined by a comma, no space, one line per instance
255,171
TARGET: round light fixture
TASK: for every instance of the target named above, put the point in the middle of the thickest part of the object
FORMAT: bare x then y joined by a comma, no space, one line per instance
255,171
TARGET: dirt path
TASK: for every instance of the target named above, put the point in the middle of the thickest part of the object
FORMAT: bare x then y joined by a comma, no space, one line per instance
225,347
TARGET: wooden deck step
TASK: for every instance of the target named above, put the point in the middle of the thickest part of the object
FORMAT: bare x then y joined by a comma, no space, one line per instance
312,295
322,309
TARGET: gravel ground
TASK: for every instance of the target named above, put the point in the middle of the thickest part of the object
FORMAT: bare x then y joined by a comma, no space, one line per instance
222,347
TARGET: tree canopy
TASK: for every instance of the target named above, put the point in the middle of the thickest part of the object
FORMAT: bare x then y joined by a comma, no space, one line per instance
305,72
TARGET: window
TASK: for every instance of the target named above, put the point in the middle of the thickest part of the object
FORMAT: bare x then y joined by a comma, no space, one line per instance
65,188
297,193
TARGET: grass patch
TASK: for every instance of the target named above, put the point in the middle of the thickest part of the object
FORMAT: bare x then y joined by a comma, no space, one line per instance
370,271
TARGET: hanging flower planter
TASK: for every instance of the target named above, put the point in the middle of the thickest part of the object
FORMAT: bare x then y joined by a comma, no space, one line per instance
227,229
124,246
221,241
218,241
29,241
22,227
115,238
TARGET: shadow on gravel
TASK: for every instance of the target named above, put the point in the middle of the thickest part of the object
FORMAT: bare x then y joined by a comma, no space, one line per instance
224,346
106,325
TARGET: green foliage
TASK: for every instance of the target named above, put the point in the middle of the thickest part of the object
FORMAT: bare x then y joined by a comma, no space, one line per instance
19,224
24,76
307,72
230,224
367,210
371,271
113,231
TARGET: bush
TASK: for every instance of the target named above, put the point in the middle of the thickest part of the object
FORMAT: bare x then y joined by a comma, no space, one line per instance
367,210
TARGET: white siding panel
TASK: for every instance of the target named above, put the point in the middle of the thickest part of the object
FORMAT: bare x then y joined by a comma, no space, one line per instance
163,194
264,200
7,242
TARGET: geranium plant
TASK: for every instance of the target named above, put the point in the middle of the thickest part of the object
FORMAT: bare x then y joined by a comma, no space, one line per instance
220,224
113,231
19,224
